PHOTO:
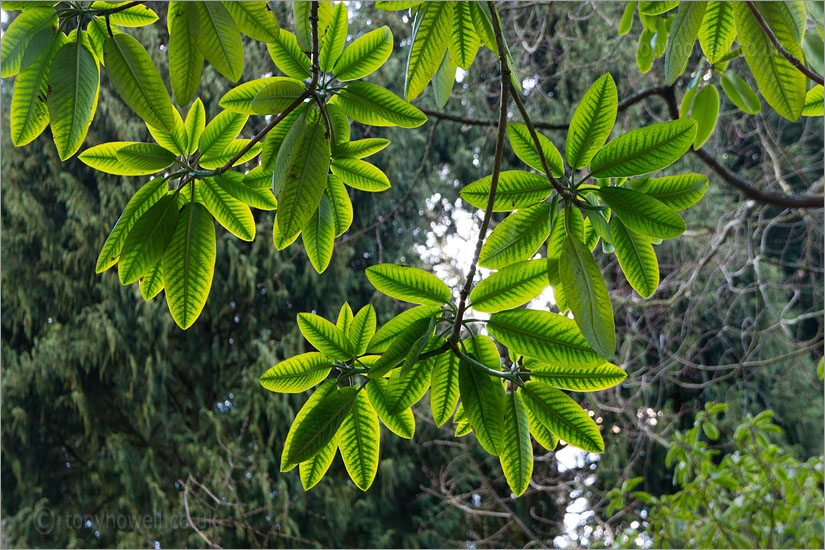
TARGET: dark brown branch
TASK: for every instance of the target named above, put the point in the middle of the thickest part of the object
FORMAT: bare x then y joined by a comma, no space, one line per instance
488,211
478,122
780,48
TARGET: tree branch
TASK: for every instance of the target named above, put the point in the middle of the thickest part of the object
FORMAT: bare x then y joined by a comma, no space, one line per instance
488,212
780,48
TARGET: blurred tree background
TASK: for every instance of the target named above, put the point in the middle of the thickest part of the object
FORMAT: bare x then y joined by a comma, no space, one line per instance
120,430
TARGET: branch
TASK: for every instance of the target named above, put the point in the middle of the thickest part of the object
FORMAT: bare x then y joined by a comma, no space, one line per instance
488,212
744,186
478,122
780,48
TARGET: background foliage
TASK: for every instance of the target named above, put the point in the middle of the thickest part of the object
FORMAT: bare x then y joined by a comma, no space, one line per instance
111,412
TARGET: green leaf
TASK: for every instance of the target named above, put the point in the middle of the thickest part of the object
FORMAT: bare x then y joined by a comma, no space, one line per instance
145,156
133,16
362,329
396,5
305,181
656,7
140,202
325,389
683,33
103,157
813,101
678,192
371,104
212,161
29,113
542,435
516,238
276,96
717,33
740,94
401,424
18,34
543,335
705,111
387,333
147,240
220,132
522,143
363,56
780,83
137,81
325,337
74,81
231,213
517,449
314,469
576,378
360,148
592,122
344,319
483,25
484,350
431,35
297,374
513,286
483,399
562,416
812,46
301,12
239,99
644,150
636,258
360,174
587,296
642,213
464,40
188,264
288,56
152,283
319,236
185,59
400,347
405,389
644,51
217,38
340,204
335,38
409,284
290,143
444,80
254,19
256,197
444,387
319,425
358,440
516,189
194,125
627,18
176,141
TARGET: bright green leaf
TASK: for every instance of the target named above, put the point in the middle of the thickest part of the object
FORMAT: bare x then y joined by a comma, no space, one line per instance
217,38
387,333
288,56
523,146
562,416
642,213
444,387
371,104
360,174
254,19
189,263
517,450
365,55
276,96
644,150
18,34
683,33
324,336
705,111
319,425
513,286
335,38
340,203
133,16
813,102
358,440
678,192
409,284
717,33
147,240
543,335
185,59
516,238
145,156
636,258
592,122
464,40
74,81
483,399
576,378
256,197
401,424
297,374
325,389
231,213
318,235
362,329
431,35
194,125
587,296
740,93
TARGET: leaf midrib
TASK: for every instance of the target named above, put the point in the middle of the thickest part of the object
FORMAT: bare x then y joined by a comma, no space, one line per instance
539,337
646,150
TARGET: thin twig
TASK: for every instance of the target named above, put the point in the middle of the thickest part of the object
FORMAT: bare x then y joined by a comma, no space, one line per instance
488,212
780,48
